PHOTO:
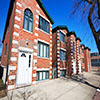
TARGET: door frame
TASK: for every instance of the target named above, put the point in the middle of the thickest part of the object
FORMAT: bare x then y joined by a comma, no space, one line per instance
29,51
74,61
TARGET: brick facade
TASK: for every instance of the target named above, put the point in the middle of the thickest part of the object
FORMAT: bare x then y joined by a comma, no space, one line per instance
58,64
87,59
19,37
82,58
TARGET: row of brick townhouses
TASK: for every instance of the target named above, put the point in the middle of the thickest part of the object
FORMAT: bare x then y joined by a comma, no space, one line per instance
68,54
32,51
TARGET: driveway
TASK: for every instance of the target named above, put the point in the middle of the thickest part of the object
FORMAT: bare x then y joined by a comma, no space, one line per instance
59,89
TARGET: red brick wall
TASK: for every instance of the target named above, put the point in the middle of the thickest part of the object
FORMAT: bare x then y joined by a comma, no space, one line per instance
87,60
54,49
6,41
82,57
57,45
78,55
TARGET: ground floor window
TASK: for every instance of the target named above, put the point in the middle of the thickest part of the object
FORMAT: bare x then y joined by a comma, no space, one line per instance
62,73
42,75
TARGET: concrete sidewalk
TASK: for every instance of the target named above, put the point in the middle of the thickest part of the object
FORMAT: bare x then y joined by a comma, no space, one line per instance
59,89
97,95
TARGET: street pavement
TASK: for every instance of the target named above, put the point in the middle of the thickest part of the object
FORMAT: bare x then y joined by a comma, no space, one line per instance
60,89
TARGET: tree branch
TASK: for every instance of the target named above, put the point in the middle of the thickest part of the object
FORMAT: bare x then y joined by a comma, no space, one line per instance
89,18
98,3
88,1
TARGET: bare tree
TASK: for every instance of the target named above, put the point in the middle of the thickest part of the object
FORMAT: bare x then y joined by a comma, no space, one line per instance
90,9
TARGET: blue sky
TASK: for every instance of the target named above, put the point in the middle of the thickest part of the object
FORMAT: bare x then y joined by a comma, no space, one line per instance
60,11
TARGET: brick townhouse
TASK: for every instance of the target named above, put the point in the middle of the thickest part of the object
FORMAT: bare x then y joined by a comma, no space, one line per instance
95,61
71,53
87,59
59,51
82,57
27,44
78,56
75,55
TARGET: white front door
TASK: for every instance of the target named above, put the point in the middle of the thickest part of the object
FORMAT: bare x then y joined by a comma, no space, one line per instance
74,67
24,69
80,67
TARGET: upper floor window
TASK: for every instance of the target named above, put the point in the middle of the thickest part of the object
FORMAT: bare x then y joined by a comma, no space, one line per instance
73,46
83,60
82,50
79,49
62,37
44,25
43,50
62,55
28,20
5,50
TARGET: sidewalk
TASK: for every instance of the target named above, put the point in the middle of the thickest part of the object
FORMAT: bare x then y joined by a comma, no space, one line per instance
97,95
59,89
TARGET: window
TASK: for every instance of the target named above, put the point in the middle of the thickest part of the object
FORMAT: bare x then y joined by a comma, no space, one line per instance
73,46
43,50
82,50
28,20
62,37
79,49
62,55
43,24
95,62
5,50
62,73
83,60
42,75
94,54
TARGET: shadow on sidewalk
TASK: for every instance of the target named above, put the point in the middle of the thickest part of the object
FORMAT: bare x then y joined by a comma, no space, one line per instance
84,82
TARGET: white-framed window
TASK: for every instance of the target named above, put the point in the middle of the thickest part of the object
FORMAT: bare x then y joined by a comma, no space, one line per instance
42,75
62,37
44,25
83,60
28,20
79,49
73,47
62,73
43,50
62,55
82,50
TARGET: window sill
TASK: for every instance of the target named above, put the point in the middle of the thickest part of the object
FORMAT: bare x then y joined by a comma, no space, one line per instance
63,60
39,81
4,55
62,42
44,31
27,31
43,57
